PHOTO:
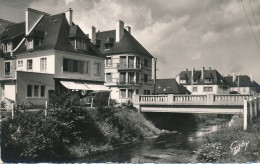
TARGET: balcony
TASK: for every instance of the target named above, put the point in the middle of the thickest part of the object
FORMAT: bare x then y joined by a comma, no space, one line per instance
128,67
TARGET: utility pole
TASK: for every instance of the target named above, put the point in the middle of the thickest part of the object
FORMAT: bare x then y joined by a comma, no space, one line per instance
155,69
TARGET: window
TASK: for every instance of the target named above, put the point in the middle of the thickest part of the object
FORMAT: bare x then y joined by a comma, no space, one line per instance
183,81
145,78
145,62
43,64
131,63
123,93
138,62
29,64
7,68
130,93
207,80
108,61
122,77
137,91
4,47
29,90
20,63
207,89
42,91
75,66
9,47
108,77
144,92
148,92
137,77
195,89
81,66
29,43
66,65
81,44
87,67
36,91
97,68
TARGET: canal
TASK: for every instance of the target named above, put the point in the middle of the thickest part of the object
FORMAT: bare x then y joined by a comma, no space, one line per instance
177,146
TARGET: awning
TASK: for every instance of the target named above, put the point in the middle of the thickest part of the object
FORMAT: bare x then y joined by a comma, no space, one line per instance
74,85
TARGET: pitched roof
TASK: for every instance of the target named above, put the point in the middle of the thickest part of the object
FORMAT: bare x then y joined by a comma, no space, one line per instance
55,32
127,44
241,81
12,31
169,86
208,74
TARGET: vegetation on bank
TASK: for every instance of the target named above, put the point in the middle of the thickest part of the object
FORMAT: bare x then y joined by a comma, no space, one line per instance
71,132
231,144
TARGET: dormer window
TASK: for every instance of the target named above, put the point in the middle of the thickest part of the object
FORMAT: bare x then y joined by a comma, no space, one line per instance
109,43
29,43
208,80
7,47
81,44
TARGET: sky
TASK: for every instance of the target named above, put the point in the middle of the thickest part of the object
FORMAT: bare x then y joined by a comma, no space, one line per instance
221,34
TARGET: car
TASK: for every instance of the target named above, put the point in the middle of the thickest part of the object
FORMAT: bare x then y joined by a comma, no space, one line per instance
93,98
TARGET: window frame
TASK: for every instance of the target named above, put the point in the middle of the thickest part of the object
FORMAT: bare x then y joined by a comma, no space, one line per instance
43,64
29,69
97,70
5,72
121,93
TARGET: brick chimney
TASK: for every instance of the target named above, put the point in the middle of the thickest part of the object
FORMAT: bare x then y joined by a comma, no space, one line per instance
128,28
92,34
69,16
251,78
119,30
202,72
234,77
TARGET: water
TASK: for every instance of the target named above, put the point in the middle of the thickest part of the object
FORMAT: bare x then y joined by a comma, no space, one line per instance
177,146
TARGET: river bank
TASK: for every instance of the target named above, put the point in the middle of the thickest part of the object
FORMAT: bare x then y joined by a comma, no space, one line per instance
231,144
71,133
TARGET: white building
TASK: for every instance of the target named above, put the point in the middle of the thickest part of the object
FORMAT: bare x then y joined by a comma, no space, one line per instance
242,84
201,82
128,65
45,52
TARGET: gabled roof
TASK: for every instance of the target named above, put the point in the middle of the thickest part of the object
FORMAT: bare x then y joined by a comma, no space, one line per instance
241,81
56,33
169,86
127,44
12,31
213,74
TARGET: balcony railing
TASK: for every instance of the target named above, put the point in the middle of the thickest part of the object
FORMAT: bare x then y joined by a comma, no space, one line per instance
122,82
128,66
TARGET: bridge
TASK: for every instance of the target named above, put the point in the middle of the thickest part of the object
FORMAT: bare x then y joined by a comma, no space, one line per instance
219,104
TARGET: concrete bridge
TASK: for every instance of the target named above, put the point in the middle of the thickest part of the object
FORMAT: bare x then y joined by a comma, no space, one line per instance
219,104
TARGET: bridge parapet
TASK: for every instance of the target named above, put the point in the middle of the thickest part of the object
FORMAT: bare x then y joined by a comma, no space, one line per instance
194,99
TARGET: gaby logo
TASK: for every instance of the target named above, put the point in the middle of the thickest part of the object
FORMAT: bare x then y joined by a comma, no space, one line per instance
236,147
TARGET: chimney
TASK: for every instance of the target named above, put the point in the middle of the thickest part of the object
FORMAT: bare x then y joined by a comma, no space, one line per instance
234,77
187,69
92,34
68,14
128,28
119,30
209,68
192,74
202,72
251,78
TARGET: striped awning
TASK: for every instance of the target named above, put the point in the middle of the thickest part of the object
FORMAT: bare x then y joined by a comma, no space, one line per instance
74,85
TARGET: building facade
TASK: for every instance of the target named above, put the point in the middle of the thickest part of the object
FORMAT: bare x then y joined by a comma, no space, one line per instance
128,65
44,52
201,82
242,84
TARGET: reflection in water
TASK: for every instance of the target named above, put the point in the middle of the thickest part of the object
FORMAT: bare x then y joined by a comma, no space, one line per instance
171,147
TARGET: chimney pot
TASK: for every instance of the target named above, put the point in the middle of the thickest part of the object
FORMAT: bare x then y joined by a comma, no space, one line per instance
251,78
119,30
234,77
69,16
192,74
202,72
128,28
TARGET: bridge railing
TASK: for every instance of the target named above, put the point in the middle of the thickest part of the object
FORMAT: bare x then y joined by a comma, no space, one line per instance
197,99
153,98
231,98
189,98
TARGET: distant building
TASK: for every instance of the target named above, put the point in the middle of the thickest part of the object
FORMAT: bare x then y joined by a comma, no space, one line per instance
169,86
45,52
128,65
203,81
242,84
